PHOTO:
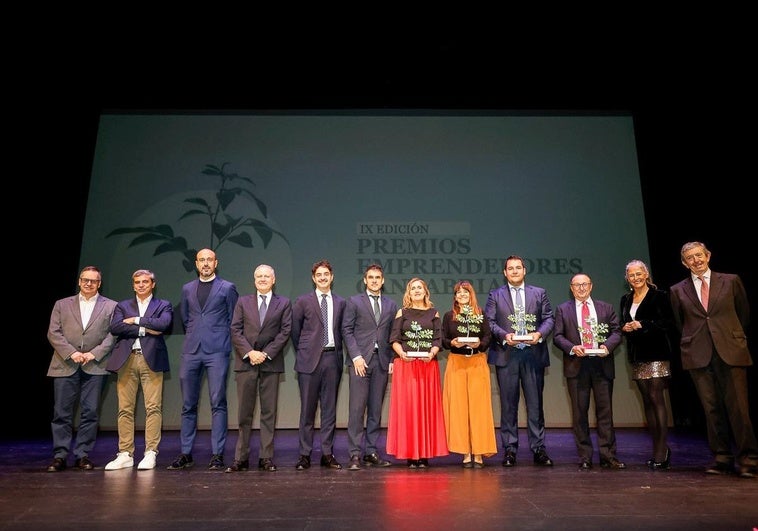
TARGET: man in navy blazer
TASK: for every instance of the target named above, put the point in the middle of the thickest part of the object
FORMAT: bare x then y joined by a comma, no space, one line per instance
261,327
206,308
79,333
589,372
140,357
714,350
318,362
520,363
369,355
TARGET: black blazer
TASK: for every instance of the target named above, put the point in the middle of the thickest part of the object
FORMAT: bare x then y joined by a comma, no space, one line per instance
652,342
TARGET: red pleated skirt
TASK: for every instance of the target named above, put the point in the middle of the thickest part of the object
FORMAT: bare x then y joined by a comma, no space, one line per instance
416,424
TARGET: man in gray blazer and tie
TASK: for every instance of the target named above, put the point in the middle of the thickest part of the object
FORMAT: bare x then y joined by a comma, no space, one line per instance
79,333
261,326
366,331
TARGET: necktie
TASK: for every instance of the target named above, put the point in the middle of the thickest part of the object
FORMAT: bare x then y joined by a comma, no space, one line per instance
587,335
519,300
375,304
262,308
324,321
703,292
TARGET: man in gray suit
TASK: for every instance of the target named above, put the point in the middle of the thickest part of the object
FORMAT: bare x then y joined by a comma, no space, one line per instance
366,331
79,333
317,337
711,312
261,325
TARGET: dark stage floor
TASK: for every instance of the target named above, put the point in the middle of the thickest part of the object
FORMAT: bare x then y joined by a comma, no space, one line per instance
445,496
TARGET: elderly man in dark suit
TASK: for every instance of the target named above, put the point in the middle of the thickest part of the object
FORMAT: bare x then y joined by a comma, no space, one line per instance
206,310
712,313
140,357
366,331
260,328
587,332
79,333
317,337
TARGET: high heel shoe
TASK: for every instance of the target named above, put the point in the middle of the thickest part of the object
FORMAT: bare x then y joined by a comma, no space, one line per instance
662,465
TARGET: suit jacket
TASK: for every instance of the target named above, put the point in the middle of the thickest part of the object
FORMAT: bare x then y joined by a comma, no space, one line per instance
499,306
270,337
159,316
652,341
360,330
67,335
566,336
722,326
307,330
208,326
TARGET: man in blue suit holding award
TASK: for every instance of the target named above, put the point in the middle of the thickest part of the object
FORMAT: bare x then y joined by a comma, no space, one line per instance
521,318
206,308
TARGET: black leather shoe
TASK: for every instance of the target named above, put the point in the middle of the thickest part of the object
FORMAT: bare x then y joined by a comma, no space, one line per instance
613,463
720,469
468,464
478,464
330,461
183,461
266,464
58,465
217,463
375,460
412,464
355,463
423,463
510,459
661,465
83,463
748,472
303,463
238,466
541,458
585,465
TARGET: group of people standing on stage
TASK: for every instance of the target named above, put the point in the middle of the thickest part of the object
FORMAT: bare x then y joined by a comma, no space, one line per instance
429,417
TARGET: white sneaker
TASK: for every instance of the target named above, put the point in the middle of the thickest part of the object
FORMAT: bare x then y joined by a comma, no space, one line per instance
148,461
123,460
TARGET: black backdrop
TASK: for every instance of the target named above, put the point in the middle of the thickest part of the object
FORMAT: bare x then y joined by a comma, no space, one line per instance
690,139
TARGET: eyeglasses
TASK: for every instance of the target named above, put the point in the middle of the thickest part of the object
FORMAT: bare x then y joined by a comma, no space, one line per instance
582,285
89,280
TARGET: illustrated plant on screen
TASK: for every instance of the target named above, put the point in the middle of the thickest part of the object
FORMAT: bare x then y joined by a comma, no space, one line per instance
222,226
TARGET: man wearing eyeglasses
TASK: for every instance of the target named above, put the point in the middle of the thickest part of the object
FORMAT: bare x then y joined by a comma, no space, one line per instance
79,333
587,331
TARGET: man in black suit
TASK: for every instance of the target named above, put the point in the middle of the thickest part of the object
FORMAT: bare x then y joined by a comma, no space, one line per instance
711,312
366,331
317,337
588,366
261,325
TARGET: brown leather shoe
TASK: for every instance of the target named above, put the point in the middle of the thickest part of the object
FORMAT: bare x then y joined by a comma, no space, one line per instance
330,461
83,463
613,463
58,465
